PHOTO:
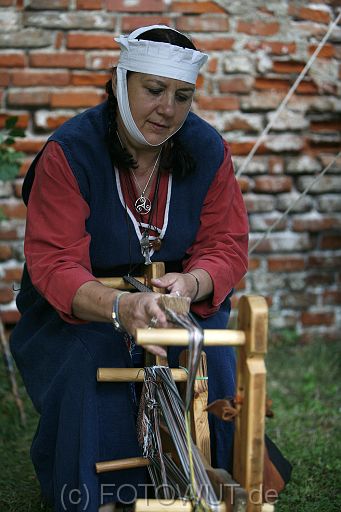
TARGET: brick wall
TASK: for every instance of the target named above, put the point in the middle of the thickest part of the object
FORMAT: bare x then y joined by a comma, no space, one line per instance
54,60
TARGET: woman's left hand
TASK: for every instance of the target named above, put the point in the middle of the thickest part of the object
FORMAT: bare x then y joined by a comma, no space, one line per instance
176,283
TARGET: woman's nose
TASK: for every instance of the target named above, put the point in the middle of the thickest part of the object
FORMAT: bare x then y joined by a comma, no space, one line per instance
167,105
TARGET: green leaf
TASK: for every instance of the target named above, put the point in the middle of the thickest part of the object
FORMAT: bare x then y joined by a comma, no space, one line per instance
8,171
11,122
9,141
17,132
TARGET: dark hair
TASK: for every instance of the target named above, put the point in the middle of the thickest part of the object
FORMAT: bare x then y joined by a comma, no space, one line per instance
174,156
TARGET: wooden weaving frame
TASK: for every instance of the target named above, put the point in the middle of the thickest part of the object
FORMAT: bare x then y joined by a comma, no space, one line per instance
248,453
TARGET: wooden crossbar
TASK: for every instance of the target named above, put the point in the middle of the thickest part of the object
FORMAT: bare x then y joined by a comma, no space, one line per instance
133,375
214,337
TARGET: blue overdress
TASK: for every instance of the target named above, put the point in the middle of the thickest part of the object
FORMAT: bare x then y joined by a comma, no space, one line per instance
81,421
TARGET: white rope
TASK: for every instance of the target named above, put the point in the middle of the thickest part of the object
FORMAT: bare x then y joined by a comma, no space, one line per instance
304,193
288,96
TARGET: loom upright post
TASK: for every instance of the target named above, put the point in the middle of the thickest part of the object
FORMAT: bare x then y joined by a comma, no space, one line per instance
251,388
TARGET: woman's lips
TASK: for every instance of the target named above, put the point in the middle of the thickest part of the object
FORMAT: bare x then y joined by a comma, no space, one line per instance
158,127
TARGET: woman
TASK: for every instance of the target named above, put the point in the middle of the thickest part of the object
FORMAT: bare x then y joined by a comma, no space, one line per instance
113,189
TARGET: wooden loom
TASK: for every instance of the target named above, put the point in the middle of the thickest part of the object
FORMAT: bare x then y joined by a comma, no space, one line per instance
244,492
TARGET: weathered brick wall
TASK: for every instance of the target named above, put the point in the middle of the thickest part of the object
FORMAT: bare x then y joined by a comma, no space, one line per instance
54,60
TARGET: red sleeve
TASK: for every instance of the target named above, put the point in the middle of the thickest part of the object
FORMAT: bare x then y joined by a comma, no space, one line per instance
56,241
221,244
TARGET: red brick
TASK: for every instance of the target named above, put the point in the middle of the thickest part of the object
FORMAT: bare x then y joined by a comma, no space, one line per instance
298,300
318,318
244,183
130,23
315,224
200,82
307,87
287,66
52,122
239,84
272,84
102,61
31,146
12,274
305,13
6,3
212,65
204,23
13,210
244,147
196,7
4,78
29,99
259,28
325,126
214,43
324,262
218,102
239,122
12,60
6,295
75,99
273,184
90,40
327,52
36,78
8,233
331,297
10,316
137,6
89,4
273,47
24,166
320,279
59,39
276,165
57,60
287,264
5,252
328,147
331,241
18,189
253,264
84,78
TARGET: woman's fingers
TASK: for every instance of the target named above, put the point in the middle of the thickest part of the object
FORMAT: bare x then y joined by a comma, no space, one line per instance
156,350
177,284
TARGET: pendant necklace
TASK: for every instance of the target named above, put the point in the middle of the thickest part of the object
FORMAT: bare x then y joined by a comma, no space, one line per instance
146,243
143,204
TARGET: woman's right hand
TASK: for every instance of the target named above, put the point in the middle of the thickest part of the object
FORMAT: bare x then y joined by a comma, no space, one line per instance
140,311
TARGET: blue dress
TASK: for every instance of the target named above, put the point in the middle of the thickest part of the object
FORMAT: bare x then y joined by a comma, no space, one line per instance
82,421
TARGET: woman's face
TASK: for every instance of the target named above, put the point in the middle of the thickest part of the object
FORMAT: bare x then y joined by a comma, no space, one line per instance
158,105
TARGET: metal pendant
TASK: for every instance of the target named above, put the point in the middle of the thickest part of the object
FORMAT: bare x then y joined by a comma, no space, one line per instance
145,246
143,205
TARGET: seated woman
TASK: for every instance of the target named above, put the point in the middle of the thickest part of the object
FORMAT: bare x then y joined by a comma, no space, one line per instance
138,178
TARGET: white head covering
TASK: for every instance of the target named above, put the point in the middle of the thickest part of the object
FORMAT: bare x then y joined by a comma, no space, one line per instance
154,58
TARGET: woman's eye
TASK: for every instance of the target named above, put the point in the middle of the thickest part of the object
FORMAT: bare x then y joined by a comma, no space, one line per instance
182,98
155,91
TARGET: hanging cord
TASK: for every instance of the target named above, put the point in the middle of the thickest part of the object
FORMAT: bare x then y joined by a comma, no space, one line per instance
304,193
288,97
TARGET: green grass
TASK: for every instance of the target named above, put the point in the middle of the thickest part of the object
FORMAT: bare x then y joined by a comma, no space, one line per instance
304,384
